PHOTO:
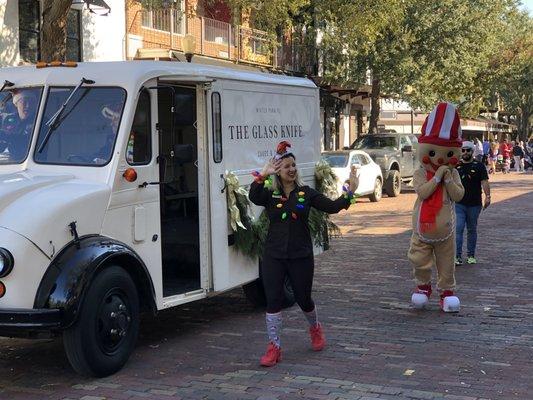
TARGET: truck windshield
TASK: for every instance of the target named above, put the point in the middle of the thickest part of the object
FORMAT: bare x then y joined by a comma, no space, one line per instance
374,142
18,109
87,128
336,160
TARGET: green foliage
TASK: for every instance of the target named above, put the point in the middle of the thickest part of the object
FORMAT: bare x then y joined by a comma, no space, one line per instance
272,14
510,73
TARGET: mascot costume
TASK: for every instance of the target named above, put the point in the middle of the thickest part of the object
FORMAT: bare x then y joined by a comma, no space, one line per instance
438,186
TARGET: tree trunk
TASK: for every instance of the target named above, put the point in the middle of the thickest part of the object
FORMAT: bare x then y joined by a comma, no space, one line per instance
523,130
54,30
374,106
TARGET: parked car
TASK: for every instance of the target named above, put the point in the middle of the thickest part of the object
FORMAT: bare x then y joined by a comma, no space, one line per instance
370,178
395,153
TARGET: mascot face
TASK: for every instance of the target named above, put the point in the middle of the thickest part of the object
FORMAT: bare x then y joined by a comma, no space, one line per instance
431,156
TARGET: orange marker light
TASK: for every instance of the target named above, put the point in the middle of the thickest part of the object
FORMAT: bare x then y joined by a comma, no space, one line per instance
69,64
2,289
130,175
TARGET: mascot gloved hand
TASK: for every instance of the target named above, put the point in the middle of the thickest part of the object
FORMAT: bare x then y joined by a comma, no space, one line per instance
438,186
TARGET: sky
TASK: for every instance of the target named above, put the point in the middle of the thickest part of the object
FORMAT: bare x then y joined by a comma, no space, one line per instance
528,5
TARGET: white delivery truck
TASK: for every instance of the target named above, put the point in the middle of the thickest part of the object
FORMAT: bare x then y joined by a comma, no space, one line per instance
112,192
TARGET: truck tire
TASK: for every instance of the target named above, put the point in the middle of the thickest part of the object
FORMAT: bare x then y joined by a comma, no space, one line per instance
255,293
101,341
393,184
378,191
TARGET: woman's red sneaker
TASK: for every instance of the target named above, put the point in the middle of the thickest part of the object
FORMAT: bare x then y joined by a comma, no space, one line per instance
272,355
318,340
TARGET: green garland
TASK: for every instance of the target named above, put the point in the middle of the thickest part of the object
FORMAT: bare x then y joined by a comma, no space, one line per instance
250,234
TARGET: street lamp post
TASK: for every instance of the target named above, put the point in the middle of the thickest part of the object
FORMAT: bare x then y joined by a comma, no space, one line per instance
189,46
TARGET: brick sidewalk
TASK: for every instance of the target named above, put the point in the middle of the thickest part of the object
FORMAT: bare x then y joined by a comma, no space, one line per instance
377,346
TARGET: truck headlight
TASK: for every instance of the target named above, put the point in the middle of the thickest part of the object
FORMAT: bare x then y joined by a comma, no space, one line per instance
6,262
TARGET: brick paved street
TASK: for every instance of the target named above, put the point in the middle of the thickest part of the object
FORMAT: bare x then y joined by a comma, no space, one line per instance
378,348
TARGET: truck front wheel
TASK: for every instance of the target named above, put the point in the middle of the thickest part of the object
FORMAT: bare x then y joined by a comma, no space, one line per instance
101,341
393,184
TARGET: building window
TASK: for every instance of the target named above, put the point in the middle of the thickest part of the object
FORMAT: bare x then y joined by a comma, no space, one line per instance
30,32
160,19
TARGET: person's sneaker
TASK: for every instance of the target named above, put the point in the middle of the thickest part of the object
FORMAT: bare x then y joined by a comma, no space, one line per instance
458,261
449,302
420,297
318,340
471,260
272,355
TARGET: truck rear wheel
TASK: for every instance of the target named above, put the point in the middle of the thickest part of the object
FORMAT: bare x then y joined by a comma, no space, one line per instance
255,293
393,184
101,341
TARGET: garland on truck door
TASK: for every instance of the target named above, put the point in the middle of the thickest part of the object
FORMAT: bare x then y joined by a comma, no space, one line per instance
250,233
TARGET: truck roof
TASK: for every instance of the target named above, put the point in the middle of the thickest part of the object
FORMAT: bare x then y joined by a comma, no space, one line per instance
130,73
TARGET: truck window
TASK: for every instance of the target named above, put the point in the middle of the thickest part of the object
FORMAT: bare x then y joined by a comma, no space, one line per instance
404,141
139,148
86,132
335,160
18,110
374,142
217,127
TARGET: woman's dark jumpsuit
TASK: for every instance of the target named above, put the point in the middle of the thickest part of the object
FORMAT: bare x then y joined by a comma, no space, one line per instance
289,249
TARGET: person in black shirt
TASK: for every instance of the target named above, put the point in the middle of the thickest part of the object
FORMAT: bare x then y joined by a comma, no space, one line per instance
289,248
518,155
474,177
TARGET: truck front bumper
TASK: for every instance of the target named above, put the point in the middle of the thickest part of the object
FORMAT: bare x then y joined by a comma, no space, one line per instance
21,322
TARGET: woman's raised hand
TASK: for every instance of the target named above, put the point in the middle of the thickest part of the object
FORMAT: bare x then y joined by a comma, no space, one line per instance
271,167
354,178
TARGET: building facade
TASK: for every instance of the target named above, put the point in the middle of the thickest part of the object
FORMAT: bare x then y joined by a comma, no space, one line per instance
90,36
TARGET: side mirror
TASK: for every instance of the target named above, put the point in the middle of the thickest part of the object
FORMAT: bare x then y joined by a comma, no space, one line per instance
408,148
183,153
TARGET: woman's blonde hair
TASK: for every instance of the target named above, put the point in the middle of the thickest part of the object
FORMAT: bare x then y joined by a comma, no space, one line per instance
276,181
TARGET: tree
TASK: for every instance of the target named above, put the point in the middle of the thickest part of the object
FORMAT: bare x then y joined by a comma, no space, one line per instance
54,30
439,48
270,15
511,71
363,38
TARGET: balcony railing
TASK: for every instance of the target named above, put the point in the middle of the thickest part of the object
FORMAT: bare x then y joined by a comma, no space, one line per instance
165,29
165,20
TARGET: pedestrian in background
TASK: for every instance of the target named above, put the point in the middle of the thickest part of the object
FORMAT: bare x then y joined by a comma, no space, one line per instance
478,151
486,152
505,151
518,155
474,177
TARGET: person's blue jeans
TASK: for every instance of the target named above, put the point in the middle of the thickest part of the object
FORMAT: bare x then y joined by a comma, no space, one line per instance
466,215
